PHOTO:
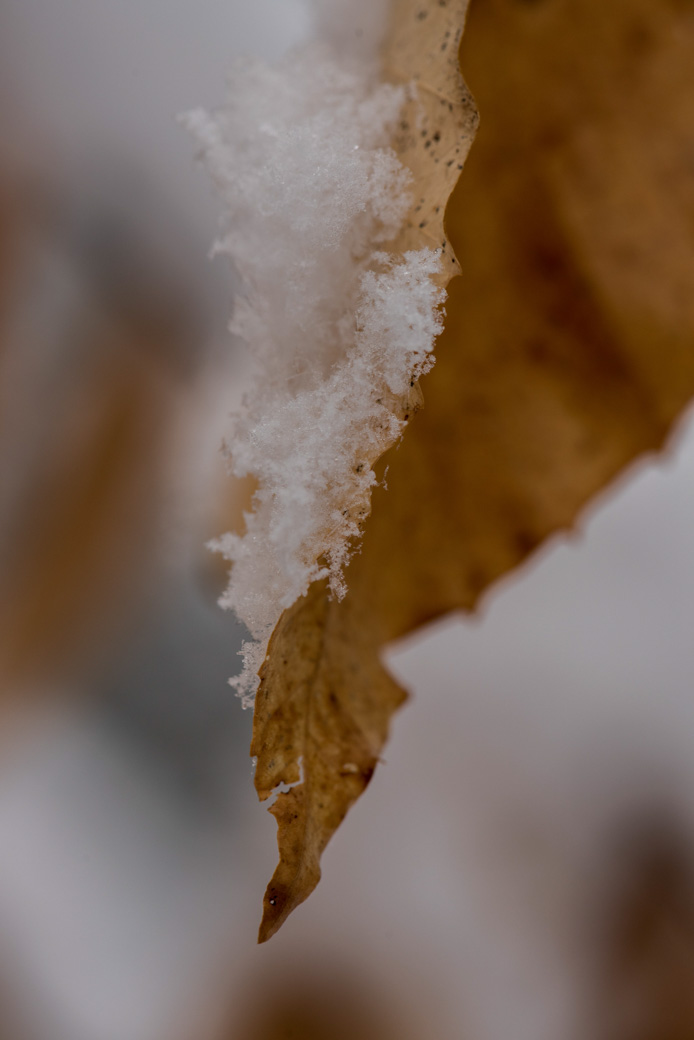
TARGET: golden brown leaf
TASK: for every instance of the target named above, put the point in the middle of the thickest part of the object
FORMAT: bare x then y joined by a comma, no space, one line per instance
568,351
305,712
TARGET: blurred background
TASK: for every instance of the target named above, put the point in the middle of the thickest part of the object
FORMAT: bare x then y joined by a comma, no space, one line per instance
521,867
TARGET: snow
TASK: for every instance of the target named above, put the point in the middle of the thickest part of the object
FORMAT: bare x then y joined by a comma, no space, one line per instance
339,330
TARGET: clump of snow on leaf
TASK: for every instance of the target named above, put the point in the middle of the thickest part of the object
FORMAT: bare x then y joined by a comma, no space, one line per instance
338,330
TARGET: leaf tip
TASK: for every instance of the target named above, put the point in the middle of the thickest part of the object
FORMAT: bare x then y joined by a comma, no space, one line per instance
279,901
275,913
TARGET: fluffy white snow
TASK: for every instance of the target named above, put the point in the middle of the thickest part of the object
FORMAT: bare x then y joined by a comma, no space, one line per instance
338,330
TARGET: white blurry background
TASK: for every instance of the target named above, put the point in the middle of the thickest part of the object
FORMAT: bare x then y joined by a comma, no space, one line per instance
548,743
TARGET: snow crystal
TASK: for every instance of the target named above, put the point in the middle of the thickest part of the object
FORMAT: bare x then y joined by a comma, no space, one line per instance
338,329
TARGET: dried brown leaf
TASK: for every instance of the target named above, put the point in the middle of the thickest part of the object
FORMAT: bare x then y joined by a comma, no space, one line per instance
568,351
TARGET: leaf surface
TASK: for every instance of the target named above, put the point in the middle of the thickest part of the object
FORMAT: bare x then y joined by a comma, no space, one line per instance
568,352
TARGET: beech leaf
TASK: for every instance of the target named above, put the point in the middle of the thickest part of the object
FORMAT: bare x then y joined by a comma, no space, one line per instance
567,353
